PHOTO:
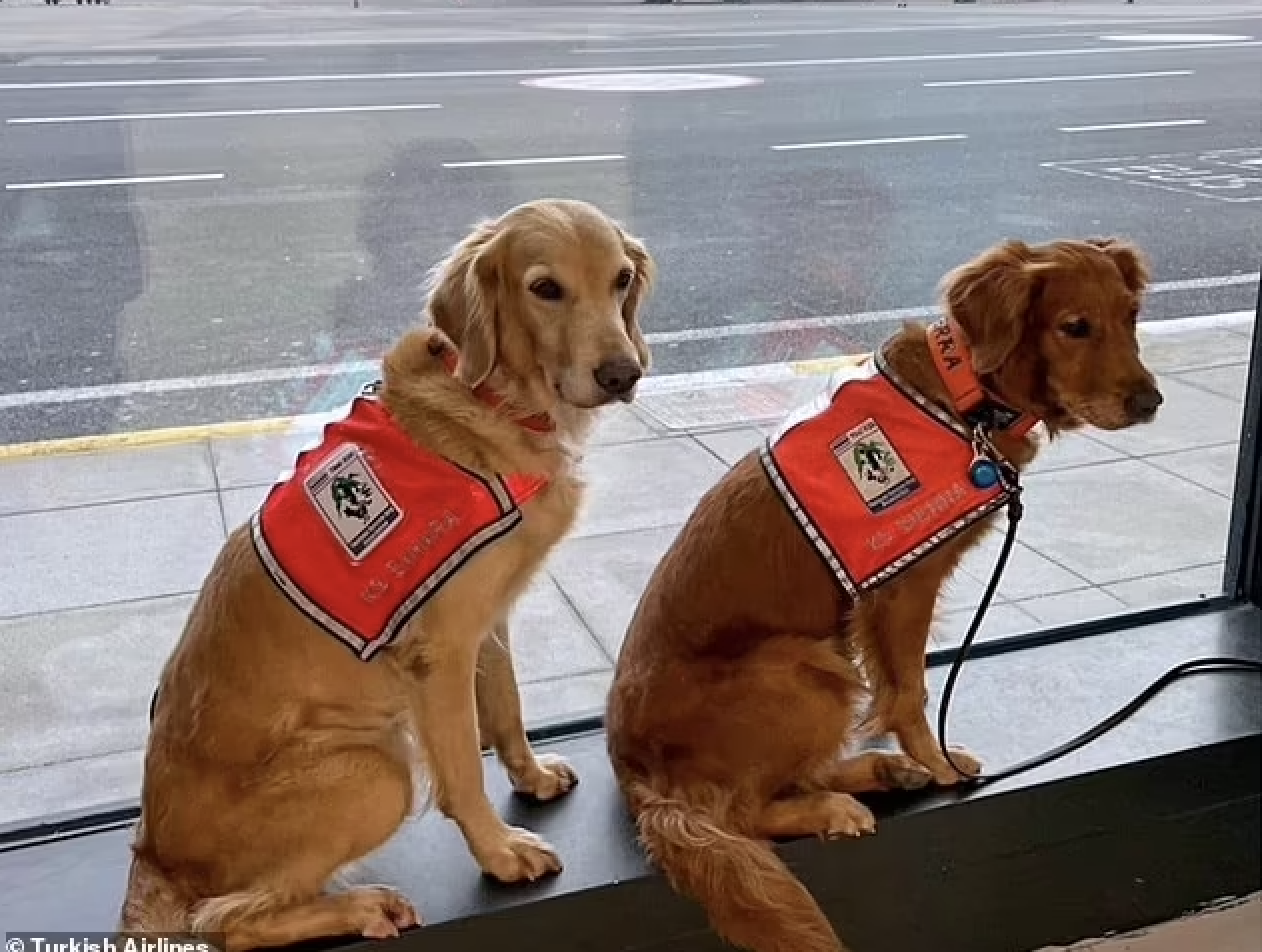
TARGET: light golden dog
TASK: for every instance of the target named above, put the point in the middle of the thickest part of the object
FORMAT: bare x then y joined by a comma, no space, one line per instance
276,756
738,687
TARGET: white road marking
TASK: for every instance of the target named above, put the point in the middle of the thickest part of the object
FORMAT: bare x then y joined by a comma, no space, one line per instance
1045,36
1224,175
1205,284
643,82
1174,37
220,114
897,140
657,67
546,160
135,180
1018,81
1157,124
149,60
652,384
674,49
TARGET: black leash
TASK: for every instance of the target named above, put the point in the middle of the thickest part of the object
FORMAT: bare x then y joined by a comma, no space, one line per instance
1197,666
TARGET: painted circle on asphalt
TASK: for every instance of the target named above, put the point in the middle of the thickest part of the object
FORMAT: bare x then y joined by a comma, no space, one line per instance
1174,37
641,82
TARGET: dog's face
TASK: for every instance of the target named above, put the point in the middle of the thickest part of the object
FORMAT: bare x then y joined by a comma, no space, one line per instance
1053,326
549,294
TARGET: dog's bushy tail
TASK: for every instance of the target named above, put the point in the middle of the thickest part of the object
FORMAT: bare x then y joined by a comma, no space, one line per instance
752,899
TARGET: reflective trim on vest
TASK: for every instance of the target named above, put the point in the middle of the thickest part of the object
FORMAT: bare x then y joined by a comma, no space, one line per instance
367,526
875,475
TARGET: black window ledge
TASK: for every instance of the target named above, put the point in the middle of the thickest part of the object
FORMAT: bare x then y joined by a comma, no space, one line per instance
1155,820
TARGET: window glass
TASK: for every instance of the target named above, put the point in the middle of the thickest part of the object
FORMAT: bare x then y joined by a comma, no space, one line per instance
216,218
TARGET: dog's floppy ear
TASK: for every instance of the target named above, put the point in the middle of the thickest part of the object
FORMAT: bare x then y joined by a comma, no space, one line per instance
1128,259
641,284
465,299
990,298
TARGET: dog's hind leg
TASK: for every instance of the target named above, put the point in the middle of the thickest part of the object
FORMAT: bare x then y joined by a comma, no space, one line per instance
263,920
875,771
821,814
281,846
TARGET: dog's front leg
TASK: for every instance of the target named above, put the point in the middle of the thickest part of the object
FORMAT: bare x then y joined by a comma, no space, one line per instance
446,719
895,627
543,777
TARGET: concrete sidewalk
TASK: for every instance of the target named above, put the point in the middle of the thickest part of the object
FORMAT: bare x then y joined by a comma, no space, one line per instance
106,548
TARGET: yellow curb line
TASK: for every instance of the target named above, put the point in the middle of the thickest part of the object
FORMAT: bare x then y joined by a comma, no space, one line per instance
167,436
826,365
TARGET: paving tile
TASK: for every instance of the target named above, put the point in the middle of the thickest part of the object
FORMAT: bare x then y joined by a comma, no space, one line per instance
1189,417
1166,588
565,699
690,409
1028,573
32,794
731,445
620,424
1130,520
78,683
604,577
1070,450
258,460
95,555
239,504
85,479
1214,467
962,592
1068,608
1004,619
1168,353
549,639
645,485
1226,381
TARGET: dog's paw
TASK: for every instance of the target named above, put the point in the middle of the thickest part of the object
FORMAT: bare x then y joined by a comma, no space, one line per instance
963,766
378,912
900,772
846,816
520,857
547,778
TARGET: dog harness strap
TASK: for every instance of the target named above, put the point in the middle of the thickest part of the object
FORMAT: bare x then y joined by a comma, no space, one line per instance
949,347
875,475
367,526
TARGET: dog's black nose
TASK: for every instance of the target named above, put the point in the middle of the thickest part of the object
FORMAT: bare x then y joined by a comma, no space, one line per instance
616,377
1142,404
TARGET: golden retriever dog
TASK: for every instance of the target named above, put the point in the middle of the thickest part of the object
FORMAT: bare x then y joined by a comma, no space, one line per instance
276,755
750,672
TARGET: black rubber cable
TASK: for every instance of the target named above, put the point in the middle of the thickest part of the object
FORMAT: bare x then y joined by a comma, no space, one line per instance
1195,666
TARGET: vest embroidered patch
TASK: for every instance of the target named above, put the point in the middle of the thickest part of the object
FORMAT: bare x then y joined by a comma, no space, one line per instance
367,526
875,475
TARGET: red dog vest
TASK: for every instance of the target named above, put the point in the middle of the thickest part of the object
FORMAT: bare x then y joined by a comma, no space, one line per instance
875,475
368,526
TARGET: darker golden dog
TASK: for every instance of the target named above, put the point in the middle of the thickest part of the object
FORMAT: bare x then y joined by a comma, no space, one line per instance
276,756
742,678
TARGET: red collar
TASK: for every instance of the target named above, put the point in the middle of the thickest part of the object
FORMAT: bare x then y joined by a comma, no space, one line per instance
538,423
949,347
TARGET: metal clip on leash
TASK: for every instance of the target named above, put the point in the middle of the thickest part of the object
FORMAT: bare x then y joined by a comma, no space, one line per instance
987,469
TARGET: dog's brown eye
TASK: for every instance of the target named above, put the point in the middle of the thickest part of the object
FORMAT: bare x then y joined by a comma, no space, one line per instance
547,289
1077,328
623,281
